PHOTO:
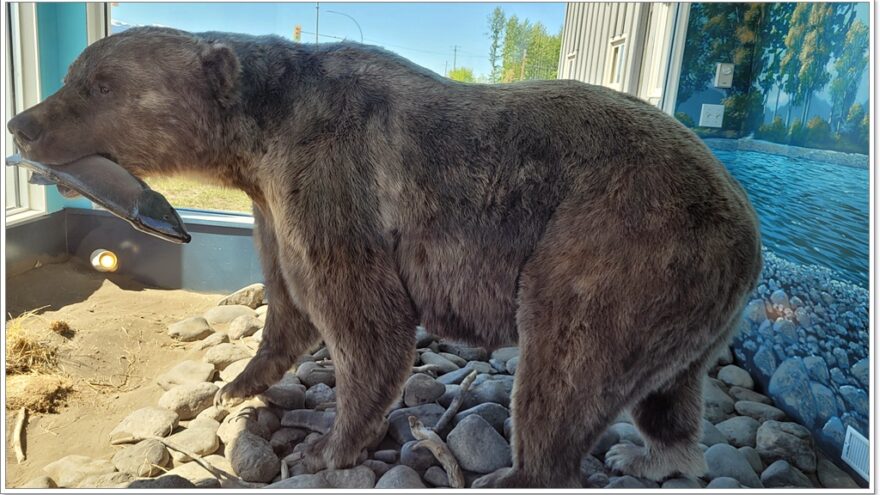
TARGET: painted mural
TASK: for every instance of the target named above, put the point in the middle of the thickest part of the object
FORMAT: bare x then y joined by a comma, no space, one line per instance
801,73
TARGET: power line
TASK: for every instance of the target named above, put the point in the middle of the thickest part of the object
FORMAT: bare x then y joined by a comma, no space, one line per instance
399,47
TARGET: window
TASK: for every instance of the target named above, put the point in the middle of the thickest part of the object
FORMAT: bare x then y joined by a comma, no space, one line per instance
570,60
22,76
182,192
615,63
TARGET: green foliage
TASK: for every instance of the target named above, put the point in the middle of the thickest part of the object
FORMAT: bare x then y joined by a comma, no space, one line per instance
849,66
818,133
719,32
528,51
796,133
462,74
684,119
799,49
854,132
496,33
743,111
775,131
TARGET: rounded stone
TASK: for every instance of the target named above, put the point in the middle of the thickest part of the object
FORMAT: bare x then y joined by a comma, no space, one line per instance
723,482
733,375
186,372
400,477
781,474
759,411
436,476
319,394
230,372
788,441
722,460
311,373
252,458
190,329
444,364
251,296
718,405
244,326
419,459
189,399
146,422
494,414
143,459
285,439
740,431
477,446
199,439
288,393
223,315
421,389
72,470
222,355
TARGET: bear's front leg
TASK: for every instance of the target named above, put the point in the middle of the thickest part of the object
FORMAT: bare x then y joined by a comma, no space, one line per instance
368,323
287,334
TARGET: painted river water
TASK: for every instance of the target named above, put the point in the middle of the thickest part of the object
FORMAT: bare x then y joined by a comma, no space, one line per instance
812,213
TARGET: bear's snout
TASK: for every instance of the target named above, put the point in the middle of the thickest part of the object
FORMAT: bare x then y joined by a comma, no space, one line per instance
25,127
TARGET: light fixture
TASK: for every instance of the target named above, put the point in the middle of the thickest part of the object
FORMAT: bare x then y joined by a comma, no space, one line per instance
104,260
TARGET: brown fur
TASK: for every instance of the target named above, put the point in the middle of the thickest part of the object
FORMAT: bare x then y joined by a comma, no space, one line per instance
584,223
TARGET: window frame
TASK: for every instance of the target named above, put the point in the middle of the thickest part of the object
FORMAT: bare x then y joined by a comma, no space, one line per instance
616,44
22,80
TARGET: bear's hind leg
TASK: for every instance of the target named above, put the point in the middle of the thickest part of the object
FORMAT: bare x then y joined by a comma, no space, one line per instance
669,420
567,391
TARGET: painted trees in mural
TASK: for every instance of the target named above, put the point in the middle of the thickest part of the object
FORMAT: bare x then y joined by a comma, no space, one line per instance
811,56
849,68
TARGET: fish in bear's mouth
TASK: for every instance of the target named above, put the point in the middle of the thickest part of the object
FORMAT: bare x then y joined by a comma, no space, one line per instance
108,184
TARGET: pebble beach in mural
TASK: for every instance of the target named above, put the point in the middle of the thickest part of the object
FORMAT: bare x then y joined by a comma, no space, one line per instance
751,440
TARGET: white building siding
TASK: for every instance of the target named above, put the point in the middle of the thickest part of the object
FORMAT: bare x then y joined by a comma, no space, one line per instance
590,29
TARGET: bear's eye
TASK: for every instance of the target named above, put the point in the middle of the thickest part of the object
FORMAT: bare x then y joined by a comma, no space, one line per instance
104,89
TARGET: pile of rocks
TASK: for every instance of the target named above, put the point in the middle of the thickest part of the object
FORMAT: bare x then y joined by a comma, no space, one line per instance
804,336
184,441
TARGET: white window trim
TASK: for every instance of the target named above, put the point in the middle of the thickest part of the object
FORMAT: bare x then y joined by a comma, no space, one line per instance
676,54
619,43
25,64
97,21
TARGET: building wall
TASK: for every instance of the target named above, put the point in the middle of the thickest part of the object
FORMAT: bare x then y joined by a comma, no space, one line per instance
589,27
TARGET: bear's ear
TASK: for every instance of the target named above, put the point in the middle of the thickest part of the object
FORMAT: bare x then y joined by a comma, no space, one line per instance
222,71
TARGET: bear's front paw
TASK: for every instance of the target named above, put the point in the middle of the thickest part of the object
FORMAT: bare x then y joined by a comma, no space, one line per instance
626,458
502,478
231,395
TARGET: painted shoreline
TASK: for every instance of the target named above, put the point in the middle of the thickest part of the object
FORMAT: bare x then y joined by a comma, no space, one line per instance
855,160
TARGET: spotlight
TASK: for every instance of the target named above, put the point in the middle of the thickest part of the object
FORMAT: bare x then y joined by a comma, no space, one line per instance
104,260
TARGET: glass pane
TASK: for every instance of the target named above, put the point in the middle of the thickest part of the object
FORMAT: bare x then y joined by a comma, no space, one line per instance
185,192
12,197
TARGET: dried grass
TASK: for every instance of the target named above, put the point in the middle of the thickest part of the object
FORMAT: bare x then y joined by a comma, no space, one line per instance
37,392
62,328
26,350
32,380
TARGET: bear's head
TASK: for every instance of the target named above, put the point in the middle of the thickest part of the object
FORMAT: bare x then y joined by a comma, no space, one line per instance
148,98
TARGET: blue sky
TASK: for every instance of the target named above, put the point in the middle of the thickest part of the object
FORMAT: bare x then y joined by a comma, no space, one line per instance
425,33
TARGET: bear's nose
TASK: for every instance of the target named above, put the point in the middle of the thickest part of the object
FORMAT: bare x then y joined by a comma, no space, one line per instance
25,127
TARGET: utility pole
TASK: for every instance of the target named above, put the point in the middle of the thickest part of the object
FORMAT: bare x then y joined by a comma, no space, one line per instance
446,68
454,55
317,16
